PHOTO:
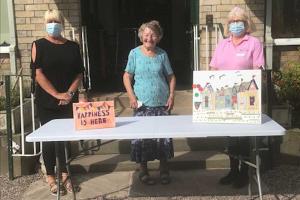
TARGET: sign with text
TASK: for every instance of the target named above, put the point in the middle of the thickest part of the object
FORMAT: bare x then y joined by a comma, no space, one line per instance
93,115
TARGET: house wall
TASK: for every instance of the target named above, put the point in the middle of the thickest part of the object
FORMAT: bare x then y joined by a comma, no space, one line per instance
30,25
284,54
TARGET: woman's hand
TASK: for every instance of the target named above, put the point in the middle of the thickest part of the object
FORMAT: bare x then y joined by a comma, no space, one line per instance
63,102
133,102
170,102
64,98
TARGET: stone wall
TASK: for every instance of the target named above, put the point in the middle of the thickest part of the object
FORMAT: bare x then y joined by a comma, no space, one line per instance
220,9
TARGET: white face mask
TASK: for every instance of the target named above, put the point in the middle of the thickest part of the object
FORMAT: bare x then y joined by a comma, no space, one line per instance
54,29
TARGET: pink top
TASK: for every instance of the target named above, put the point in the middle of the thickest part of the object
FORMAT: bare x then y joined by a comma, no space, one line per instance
246,55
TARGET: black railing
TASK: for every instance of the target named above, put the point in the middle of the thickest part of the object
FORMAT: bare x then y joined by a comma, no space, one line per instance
8,126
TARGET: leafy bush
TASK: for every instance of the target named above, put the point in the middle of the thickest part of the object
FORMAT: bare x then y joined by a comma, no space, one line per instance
287,84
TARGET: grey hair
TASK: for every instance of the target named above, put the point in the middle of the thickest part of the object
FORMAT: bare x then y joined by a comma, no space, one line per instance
154,26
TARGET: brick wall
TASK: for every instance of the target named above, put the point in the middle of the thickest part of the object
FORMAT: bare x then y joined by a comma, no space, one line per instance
284,54
220,9
30,23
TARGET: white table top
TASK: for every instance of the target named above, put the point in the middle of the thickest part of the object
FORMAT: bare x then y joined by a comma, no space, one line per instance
173,126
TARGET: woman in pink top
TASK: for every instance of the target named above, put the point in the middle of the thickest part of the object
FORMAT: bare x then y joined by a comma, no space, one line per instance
240,51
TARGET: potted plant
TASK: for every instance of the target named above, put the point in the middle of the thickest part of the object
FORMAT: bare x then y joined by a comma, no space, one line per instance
287,88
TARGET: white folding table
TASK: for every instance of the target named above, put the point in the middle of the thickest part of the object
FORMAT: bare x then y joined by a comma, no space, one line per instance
173,126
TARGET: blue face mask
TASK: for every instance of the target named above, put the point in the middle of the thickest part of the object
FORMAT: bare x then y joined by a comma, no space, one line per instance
237,28
54,29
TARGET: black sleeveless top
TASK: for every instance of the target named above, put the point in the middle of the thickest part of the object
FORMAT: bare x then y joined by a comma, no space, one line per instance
60,63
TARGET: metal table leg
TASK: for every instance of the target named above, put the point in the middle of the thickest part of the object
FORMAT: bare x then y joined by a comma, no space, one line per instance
68,168
250,171
57,170
257,162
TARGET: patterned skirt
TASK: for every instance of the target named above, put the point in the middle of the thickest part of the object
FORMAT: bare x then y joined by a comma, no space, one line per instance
143,150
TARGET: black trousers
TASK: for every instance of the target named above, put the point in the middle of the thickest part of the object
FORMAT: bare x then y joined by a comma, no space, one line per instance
239,146
49,156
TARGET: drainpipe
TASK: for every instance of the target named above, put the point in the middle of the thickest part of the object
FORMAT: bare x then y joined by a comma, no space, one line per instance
12,33
268,37
269,56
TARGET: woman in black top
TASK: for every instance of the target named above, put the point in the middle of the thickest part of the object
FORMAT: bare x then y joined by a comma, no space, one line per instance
58,70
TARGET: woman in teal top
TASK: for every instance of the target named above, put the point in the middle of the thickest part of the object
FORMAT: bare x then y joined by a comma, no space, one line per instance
151,95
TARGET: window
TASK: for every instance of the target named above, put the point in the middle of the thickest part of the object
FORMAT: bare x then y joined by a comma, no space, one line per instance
286,19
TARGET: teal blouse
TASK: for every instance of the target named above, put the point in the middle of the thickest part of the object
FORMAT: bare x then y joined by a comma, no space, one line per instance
150,76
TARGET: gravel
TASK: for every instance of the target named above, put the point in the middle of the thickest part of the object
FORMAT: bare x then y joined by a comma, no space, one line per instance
283,183
13,190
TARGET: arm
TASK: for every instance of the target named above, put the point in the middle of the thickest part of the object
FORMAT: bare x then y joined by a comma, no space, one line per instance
72,89
48,87
127,80
172,85
75,84
258,56
44,82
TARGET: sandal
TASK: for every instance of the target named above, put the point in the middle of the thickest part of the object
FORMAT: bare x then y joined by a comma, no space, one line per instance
66,182
145,178
68,186
53,188
50,179
165,177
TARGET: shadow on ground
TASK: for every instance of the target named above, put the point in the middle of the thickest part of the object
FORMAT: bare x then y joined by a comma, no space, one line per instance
187,183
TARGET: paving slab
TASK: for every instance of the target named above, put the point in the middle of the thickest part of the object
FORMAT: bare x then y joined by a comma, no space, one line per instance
125,185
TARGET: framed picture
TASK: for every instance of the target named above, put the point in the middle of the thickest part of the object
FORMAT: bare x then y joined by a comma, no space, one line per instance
231,96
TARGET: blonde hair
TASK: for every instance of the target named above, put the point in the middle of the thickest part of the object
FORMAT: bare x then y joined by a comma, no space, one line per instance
239,13
54,15
154,26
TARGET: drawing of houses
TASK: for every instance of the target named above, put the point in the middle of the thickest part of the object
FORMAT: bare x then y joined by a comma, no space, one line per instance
234,96
224,99
209,97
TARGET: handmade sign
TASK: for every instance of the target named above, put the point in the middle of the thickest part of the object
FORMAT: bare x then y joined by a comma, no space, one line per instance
231,96
93,115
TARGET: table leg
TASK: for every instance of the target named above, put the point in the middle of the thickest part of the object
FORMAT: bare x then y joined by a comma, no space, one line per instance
57,170
257,160
250,171
68,168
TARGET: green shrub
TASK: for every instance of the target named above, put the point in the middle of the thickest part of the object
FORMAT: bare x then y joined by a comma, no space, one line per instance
287,84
